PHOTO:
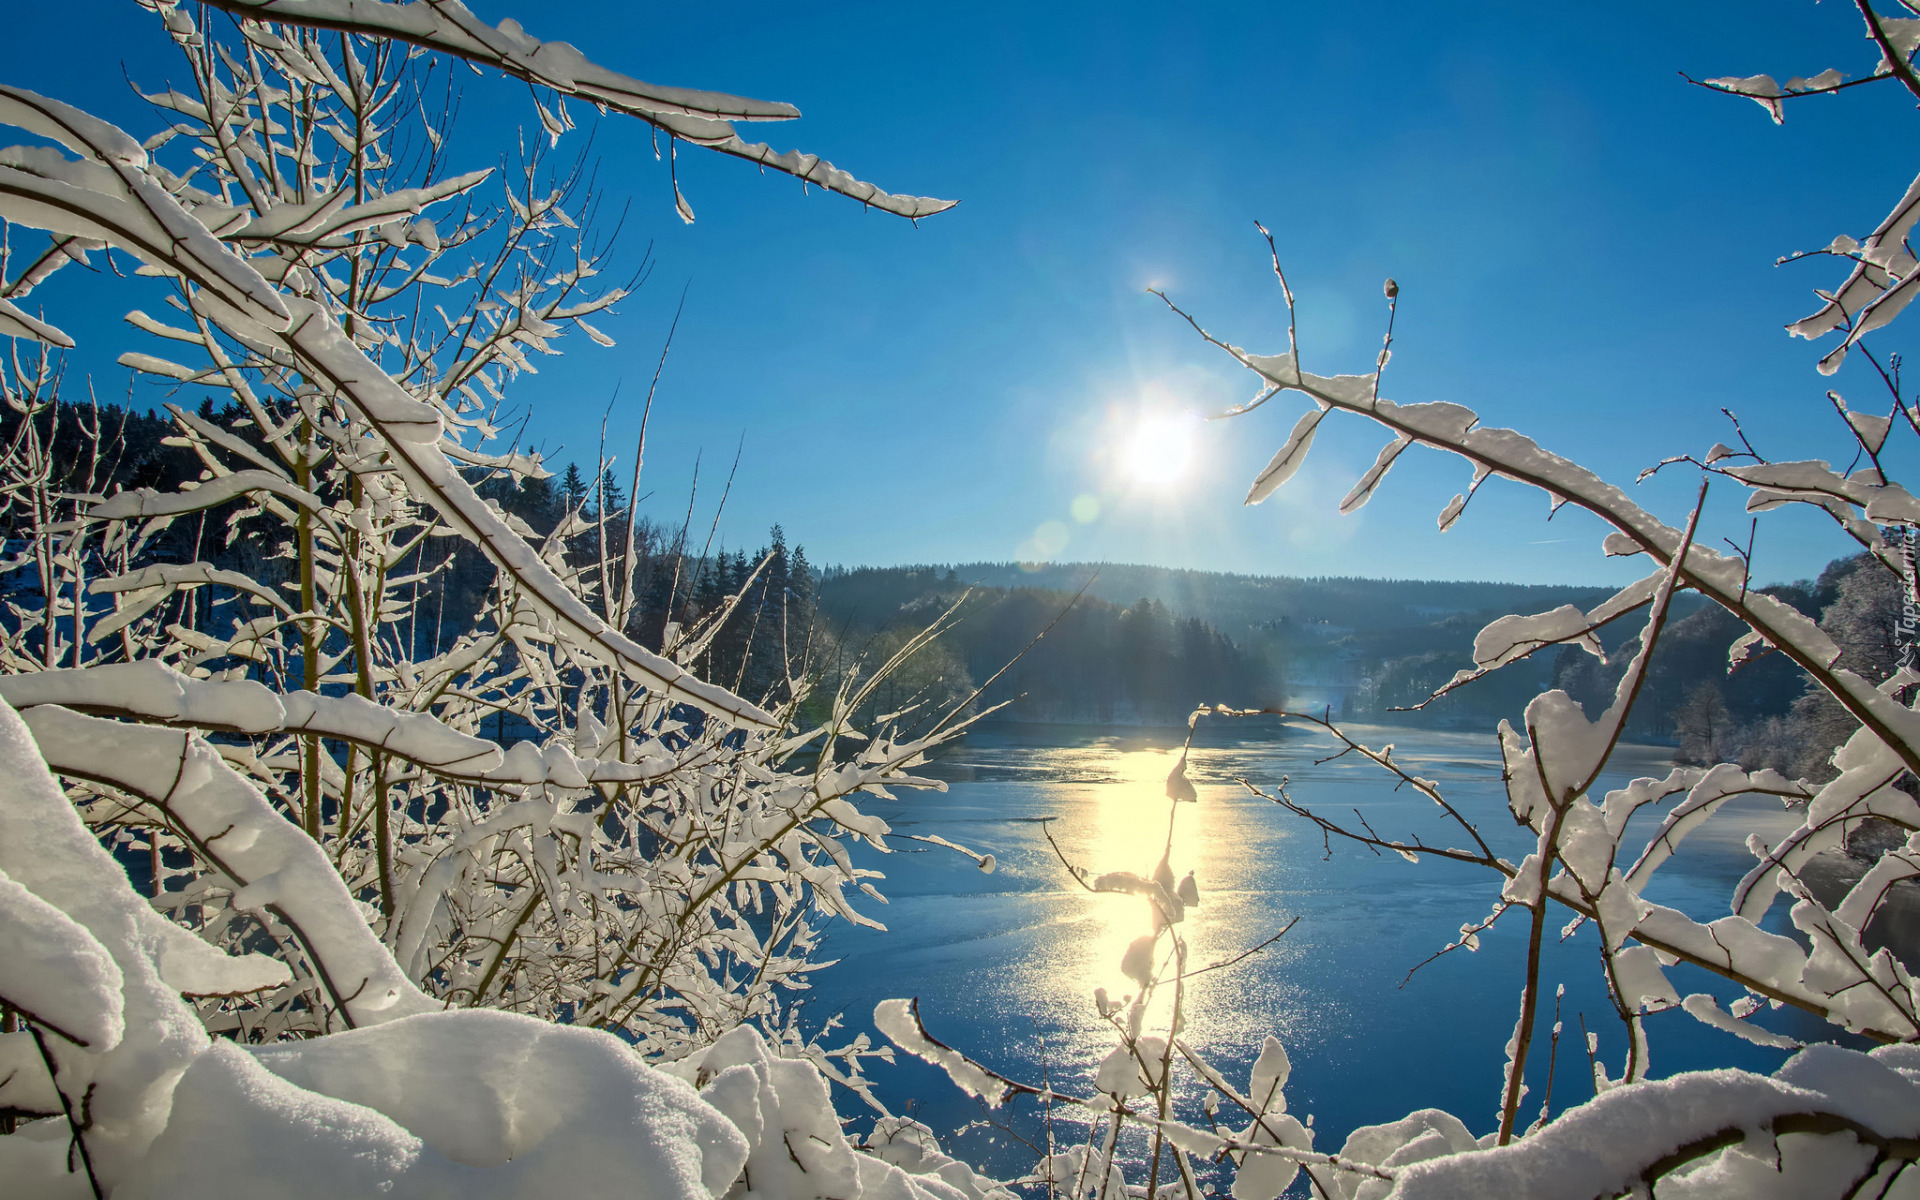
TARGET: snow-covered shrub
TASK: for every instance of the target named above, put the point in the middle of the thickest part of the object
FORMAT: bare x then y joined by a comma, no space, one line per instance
415,1099
341,865
1833,1122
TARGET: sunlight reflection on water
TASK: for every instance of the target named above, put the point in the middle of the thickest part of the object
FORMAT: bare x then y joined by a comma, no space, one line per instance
1130,834
1005,965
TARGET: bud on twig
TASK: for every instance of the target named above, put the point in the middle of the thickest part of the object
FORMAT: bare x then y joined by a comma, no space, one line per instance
1392,289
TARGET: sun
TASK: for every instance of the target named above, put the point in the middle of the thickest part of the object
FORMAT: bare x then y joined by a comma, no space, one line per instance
1156,449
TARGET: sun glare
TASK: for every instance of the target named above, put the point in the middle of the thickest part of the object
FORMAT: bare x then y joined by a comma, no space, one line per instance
1156,451
1132,837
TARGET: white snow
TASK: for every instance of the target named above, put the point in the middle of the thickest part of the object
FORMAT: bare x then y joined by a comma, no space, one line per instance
1601,1147
1511,637
475,1104
253,845
703,118
55,972
1288,459
899,1020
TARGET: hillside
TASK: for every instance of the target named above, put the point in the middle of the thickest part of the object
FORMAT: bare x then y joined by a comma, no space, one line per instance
1095,661
1347,644
1235,603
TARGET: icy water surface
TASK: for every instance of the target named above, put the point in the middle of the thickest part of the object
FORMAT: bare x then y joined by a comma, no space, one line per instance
1005,965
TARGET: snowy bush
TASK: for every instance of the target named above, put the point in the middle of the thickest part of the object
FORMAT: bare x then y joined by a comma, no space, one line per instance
1833,1122
413,1099
433,962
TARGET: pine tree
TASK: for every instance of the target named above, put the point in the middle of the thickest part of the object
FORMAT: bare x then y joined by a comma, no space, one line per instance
608,499
801,584
573,487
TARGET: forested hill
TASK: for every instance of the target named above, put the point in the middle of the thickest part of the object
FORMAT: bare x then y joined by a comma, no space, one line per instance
1238,602
1358,647
1237,605
1099,662
1367,648
1144,644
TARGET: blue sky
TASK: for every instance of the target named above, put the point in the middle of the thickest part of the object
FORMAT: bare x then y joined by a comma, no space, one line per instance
1584,244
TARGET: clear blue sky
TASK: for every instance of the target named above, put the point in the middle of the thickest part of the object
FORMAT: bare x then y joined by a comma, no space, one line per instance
1584,245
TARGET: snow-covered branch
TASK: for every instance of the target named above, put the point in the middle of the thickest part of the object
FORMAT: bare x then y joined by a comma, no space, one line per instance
701,118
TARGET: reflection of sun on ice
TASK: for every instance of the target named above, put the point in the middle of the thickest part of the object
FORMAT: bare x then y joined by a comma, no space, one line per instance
1133,824
1132,837
1156,450
1118,821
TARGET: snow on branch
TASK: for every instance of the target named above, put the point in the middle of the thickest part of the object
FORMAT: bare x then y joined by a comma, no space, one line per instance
326,222
16,323
1875,290
1869,771
151,692
486,1104
273,866
148,502
411,432
1711,789
130,1044
1504,452
55,972
1630,1138
700,117
109,195
900,1021
148,221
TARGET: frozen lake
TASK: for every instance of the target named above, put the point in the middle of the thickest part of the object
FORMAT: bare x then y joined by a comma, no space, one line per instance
1005,965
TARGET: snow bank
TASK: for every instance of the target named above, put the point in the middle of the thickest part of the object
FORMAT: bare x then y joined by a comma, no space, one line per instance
481,1105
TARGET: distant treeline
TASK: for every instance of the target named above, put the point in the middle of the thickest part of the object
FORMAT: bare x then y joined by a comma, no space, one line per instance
1766,712
1097,663
1234,603
1375,648
1357,647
